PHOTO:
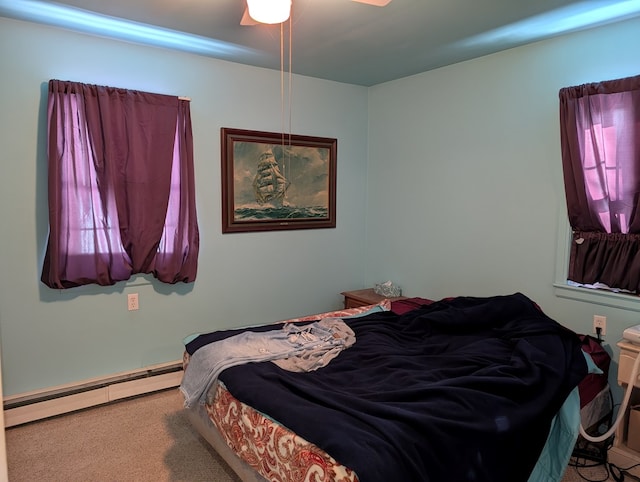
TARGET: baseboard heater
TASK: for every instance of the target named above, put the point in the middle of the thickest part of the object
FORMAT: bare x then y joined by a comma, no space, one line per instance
40,404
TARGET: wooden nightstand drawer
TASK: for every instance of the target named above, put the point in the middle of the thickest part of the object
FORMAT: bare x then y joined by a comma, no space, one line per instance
353,299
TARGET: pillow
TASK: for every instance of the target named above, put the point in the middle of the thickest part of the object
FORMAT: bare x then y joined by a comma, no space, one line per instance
400,307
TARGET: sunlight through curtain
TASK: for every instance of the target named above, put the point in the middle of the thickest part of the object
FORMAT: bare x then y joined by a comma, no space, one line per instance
121,186
600,138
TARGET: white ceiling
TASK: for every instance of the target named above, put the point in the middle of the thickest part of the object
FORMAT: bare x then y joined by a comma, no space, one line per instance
342,40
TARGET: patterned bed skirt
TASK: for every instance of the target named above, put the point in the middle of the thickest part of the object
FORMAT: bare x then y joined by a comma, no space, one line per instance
269,448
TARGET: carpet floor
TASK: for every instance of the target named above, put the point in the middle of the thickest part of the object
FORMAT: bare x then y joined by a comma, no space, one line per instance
141,439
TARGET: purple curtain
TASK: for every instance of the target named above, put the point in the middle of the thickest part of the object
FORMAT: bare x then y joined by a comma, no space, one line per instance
121,186
600,139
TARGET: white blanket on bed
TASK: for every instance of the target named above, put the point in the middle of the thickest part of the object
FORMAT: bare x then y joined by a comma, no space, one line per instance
294,348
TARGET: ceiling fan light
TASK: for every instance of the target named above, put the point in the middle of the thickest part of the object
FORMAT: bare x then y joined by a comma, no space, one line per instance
269,11
376,3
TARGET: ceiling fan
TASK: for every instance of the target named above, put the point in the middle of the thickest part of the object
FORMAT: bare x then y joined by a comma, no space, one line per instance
247,20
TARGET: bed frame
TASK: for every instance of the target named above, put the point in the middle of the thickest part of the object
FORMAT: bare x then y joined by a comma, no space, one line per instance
200,421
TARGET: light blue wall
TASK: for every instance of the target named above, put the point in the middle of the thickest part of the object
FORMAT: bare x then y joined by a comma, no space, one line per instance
51,337
457,157
465,181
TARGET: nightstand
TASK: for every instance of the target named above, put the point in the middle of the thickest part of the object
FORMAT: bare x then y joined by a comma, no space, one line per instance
621,454
353,299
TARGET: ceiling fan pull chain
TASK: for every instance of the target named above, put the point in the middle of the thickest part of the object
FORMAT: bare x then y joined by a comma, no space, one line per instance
282,84
290,75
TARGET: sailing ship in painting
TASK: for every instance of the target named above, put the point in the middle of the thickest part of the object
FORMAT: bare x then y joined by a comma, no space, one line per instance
274,195
269,185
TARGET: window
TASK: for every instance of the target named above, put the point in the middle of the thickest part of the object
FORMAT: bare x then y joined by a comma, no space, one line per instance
600,138
121,186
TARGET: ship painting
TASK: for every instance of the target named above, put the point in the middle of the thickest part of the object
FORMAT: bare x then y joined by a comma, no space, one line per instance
269,184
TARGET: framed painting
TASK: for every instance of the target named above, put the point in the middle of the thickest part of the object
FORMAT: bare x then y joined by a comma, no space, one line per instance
273,181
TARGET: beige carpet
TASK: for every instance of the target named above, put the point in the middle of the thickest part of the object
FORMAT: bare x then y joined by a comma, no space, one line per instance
593,474
141,439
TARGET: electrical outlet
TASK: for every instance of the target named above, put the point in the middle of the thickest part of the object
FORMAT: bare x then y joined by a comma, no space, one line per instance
132,301
600,321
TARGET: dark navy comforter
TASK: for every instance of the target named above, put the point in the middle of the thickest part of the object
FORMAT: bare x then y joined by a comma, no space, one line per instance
461,390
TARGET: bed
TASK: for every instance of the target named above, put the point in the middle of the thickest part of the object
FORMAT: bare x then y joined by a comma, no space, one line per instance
464,388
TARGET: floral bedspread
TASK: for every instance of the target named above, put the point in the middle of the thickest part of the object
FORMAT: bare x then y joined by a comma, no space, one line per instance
273,451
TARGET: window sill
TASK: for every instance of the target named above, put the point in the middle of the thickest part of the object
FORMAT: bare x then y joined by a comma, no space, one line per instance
598,297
